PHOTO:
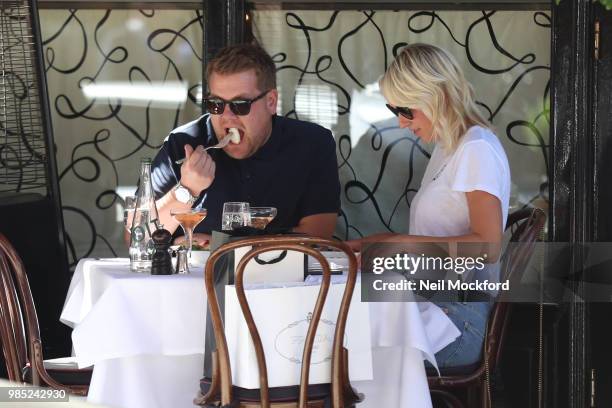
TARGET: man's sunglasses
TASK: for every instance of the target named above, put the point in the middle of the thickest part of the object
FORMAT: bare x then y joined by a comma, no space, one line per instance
239,107
398,110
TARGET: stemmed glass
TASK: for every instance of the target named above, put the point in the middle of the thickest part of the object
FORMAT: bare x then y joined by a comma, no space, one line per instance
262,216
189,219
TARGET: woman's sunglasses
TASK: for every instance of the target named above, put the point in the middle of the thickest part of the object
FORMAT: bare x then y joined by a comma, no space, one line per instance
239,107
398,110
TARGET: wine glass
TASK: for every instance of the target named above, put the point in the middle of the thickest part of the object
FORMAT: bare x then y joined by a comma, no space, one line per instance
262,216
189,219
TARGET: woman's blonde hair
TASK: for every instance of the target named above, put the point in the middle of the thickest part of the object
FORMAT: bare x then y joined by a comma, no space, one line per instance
428,78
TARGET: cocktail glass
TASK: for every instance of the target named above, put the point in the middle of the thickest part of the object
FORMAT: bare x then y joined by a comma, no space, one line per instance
262,216
189,219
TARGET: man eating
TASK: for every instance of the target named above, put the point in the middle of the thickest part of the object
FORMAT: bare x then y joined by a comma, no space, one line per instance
270,161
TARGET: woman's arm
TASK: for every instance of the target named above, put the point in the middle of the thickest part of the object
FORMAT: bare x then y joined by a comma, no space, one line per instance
485,227
318,225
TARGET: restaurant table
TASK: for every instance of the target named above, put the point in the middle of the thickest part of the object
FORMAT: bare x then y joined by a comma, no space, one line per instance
144,335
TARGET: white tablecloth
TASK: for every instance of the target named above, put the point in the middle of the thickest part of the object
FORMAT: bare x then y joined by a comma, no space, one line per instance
145,337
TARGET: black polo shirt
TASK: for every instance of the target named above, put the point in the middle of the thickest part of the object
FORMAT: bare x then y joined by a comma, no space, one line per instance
295,171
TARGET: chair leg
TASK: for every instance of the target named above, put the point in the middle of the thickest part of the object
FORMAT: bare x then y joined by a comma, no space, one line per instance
349,393
214,392
451,400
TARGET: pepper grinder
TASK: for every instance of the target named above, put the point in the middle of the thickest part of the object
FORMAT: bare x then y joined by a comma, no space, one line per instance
162,261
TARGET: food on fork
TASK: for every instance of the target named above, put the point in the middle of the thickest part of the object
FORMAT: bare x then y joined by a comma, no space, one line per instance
234,135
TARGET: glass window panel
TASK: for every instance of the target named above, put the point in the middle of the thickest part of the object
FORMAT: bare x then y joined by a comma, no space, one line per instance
329,63
119,81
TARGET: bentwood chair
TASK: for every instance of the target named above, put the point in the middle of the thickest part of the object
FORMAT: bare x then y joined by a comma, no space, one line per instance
526,228
221,392
20,335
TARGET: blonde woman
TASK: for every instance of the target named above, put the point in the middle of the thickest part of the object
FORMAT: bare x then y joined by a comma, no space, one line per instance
465,190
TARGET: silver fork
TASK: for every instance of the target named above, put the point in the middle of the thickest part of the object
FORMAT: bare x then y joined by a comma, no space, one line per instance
222,143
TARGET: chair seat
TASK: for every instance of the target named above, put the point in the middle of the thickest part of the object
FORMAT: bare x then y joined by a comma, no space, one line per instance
61,363
277,394
64,370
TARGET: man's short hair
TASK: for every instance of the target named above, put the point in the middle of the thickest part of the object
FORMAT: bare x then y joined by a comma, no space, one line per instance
243,57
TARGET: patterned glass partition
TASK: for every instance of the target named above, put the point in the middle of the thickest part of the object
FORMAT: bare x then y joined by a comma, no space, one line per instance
146,70
328,66
329,63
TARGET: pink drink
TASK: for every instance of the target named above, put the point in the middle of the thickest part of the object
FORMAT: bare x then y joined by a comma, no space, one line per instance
260,222
189,220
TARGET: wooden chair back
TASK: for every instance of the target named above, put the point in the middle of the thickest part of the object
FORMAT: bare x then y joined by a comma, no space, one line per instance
342,393
526,227
19,332
17,309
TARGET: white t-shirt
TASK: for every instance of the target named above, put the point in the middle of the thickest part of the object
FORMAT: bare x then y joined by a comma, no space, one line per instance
479,162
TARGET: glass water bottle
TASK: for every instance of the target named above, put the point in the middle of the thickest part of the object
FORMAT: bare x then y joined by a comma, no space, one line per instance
144,223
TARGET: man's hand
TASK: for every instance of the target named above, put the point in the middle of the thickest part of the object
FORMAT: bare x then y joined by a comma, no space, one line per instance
198,170
197,174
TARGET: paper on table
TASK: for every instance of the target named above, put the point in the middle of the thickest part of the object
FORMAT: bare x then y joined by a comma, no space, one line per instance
337,261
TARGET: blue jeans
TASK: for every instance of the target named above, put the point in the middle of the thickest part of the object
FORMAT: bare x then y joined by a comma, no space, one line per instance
471,320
